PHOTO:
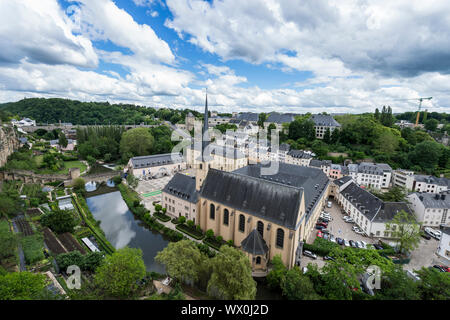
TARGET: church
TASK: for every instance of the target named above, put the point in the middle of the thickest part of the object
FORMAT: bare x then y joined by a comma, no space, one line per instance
263,214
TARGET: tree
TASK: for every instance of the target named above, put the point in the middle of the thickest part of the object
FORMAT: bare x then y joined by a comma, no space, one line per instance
120,272
277,273
231,278
62,140
8,206
22,286
138,142
302,127
296,286
79,184
433,284
406,230
395,194
431,124
262,117
377,114
396,285
209,234
327,136
8,241
426,154
59,221
182,260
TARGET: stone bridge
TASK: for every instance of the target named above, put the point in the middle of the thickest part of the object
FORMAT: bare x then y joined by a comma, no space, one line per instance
101,177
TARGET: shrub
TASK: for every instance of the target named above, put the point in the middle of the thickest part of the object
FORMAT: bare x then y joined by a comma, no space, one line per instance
190,224
117,180
33,248
136,203
181,219
209,234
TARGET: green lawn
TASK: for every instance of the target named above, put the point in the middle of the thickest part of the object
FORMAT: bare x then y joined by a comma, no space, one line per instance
71,164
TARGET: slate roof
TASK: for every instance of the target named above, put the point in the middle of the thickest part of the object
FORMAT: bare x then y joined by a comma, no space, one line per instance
248,116
280,117
266,199
312,181
373,168
388,211
368,203
435,200
284,147
156,160
254,244
342,181
299,154
324,120
432,180
319,163
183,187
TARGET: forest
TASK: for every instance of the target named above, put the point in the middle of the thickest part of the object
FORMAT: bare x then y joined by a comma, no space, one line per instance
55,110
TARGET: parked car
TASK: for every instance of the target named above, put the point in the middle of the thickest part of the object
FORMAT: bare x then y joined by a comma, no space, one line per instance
325,231
326,220
377,246
360,245
413,275
326,236
439,268
309,254
349,220
446,269
319,234
326,258
318,227
354,228
322,224
340,241
346,243
346,217
352,243
304,270
329,204
426,236
332,238
364,244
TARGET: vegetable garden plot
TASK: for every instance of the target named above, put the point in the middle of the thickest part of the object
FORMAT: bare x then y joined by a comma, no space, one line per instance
52,242
24,227
70,243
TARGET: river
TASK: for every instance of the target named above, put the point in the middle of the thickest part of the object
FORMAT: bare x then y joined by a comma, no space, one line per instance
121,228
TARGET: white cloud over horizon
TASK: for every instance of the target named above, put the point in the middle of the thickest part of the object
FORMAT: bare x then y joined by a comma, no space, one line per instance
361,54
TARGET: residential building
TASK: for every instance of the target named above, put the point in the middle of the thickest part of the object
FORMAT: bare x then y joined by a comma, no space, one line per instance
337,171
216,120
430,209
444,245
324,165
278,119
430,184
299,157
322,122
373,175
180,197
403,178
250,117
25,122
369,212
156,165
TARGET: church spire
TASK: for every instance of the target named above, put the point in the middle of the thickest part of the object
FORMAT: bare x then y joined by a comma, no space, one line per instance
205,136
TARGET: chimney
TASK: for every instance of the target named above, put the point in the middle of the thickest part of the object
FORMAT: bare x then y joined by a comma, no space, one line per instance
443,196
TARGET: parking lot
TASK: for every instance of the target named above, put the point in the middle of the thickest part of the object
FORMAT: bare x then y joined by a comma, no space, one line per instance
150,190
339,228
424,256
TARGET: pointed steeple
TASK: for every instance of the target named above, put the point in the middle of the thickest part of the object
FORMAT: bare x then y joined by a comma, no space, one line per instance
205,136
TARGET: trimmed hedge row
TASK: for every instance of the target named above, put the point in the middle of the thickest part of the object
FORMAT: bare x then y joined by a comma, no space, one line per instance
321,246
193,233
161,216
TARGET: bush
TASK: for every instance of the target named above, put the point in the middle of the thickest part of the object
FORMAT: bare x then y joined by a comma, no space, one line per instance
117,180
59,221
194,233
136,203
209,234
33,248
181,219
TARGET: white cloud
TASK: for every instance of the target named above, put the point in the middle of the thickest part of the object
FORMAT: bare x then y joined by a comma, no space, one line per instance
103,20
40,31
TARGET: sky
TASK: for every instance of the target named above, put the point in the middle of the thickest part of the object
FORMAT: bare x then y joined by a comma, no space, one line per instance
335,56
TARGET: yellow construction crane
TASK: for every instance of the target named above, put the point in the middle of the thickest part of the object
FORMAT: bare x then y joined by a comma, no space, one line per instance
420,105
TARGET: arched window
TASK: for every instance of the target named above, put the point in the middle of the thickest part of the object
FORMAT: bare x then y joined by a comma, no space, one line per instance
258,260
260,228
280,238
226,215
241,223
212,212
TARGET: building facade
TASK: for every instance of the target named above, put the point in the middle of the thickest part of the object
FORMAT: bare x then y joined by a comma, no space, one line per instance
180,197
322,122
156,165
431,209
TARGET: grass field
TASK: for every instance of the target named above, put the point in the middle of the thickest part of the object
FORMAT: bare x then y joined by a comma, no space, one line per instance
72,164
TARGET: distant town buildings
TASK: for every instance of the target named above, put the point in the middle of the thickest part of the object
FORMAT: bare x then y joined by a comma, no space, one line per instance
373,175
25,122
322,122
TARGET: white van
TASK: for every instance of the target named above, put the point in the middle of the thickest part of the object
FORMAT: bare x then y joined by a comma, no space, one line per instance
329,204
